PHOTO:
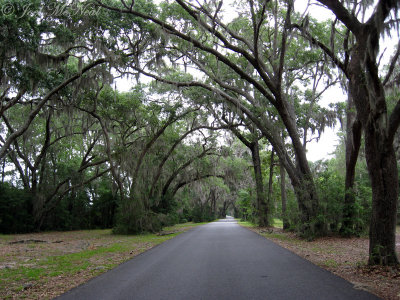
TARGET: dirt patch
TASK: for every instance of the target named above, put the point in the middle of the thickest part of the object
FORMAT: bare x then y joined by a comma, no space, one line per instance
345,257
62,260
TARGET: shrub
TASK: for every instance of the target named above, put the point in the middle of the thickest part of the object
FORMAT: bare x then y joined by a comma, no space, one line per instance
133,218
15,210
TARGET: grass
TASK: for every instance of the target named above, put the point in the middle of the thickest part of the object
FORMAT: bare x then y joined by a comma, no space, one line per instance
246,223
81,253
330,263
277,223
278,236
185,225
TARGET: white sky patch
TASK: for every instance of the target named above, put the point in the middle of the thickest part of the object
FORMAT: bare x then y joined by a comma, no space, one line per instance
125,84
315,10
325,146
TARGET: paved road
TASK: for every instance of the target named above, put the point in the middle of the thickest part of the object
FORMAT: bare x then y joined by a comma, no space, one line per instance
220,260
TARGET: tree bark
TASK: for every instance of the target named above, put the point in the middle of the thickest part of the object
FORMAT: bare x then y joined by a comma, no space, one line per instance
369,98
270,180
262,206
382,167
285,219
301,178
3,173
353,143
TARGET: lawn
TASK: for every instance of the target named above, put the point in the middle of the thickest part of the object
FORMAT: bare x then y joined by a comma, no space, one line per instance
44,265
277,223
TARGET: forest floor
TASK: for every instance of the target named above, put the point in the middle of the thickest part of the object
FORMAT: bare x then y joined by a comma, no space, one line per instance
45,265
345,257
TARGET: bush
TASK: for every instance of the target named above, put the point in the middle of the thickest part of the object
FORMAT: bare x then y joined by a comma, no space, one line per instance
132,218
202,214
15,210
246,205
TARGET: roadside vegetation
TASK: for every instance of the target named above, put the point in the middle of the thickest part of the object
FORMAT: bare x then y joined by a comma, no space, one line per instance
44,265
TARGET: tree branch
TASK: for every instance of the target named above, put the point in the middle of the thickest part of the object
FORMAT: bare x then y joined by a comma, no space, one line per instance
392,65
42,102
343,15
183,183
394,122
323,47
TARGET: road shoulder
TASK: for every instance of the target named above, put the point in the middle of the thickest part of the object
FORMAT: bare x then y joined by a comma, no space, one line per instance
345,257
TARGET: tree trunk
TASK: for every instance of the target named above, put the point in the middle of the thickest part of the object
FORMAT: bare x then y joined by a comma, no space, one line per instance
38,202
3,173
302,178
369,98
284,197
271,173
213,203
310,226
382,167
367,90
353,143
38,210
261,203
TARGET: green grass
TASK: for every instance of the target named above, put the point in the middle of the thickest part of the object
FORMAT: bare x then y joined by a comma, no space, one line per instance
246,223
183,225
330,263
277,223
277,236
6,237
96,259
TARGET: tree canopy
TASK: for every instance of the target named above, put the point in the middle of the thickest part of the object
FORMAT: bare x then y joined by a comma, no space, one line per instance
136,115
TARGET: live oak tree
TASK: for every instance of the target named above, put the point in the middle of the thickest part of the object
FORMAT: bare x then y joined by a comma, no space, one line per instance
366,89
254,55
48,61
225,114
55,156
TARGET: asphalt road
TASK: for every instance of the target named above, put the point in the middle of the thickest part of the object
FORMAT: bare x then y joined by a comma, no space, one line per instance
220,260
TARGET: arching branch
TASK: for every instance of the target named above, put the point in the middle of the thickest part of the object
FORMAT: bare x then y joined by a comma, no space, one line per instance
200,177
181,168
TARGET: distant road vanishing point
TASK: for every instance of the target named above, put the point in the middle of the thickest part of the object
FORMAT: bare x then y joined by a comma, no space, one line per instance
219,260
